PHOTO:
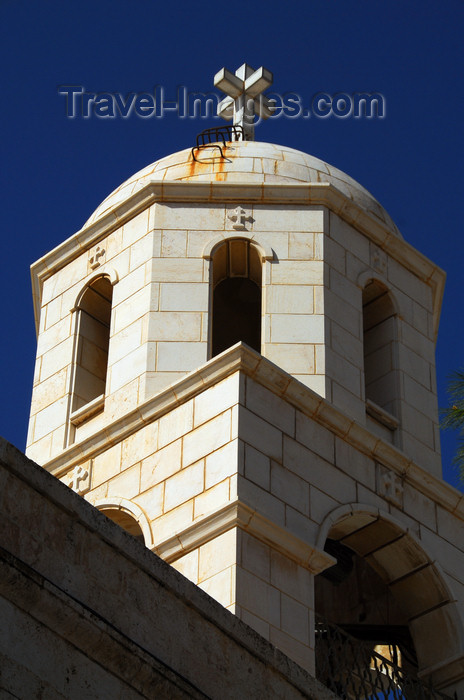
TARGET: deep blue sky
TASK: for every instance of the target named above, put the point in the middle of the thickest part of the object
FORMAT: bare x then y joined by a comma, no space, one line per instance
56,170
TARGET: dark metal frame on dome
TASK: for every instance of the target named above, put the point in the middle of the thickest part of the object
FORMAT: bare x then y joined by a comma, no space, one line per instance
209,138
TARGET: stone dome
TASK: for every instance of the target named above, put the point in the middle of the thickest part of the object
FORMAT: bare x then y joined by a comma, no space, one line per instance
246,162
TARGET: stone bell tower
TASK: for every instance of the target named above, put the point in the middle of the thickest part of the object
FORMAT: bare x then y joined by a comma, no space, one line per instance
236,363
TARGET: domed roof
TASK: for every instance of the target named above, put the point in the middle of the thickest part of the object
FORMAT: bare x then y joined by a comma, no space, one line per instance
246,162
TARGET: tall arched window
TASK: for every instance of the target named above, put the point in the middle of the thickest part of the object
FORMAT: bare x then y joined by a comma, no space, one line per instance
236,303
380,355
91,350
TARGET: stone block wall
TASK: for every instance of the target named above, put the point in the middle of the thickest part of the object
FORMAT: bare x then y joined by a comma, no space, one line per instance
160,322
351,261
238,476
315,265
89,612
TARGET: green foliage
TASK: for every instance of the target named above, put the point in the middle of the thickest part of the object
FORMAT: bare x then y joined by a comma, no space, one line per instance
452,418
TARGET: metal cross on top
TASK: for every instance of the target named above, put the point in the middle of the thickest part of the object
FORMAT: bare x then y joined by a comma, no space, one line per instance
244,100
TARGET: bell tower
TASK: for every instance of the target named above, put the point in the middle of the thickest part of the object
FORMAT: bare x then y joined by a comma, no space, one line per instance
235,362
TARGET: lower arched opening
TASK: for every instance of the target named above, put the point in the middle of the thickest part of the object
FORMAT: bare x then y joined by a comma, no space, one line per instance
372,609
124,520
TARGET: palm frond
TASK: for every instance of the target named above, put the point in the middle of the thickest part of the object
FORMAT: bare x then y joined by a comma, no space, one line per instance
458,460
456,386
452,417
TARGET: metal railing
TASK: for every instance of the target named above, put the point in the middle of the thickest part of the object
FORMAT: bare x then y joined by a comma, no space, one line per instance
210,138
353,670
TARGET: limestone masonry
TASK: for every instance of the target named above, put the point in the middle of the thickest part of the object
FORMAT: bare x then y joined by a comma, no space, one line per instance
236,364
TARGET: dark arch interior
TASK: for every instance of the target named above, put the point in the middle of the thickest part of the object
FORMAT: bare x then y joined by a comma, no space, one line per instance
236,314
126,521
386,594
379,346
368,619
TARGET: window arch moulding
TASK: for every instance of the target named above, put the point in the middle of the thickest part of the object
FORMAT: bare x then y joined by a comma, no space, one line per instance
364,278
265,251
116,505
108,272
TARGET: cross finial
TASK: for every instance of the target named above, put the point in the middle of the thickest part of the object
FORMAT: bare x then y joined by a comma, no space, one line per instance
244,97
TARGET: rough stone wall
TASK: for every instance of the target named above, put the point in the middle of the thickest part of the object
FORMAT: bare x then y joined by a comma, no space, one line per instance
87,611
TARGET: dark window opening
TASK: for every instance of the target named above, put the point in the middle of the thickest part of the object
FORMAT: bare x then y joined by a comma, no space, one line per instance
93,331
236,306
381,369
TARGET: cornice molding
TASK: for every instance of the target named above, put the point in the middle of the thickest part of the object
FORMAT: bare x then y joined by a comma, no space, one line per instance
241,358
238,514
323,194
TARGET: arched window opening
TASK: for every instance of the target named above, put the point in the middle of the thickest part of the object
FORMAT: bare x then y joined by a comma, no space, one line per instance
126,521
380,364
236,304
362,634
91,359
367,640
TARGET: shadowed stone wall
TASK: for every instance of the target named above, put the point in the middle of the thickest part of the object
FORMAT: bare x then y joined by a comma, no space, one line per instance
87,611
